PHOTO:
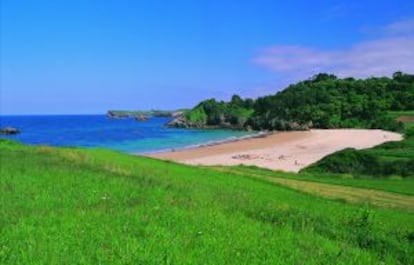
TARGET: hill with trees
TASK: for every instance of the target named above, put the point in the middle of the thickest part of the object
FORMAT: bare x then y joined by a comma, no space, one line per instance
324,101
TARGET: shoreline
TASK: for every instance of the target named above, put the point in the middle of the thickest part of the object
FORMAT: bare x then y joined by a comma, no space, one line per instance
232,139
287,151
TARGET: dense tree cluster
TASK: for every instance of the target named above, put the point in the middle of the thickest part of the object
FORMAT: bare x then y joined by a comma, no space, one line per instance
329,102
323,101
219,113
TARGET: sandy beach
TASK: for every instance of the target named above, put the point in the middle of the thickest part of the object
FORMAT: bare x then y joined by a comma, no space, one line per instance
287,151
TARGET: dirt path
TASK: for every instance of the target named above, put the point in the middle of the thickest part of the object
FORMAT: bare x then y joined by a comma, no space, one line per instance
332,191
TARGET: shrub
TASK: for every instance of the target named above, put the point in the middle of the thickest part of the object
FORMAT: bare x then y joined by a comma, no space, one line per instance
348,161
409,133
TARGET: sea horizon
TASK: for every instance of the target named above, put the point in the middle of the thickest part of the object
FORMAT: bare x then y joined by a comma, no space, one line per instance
98,131
51,114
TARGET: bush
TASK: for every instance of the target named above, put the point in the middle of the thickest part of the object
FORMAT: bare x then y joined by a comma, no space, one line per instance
348,161
387,123
354,162
409,132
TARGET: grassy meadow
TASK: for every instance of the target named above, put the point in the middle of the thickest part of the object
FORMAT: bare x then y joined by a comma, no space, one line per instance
78,206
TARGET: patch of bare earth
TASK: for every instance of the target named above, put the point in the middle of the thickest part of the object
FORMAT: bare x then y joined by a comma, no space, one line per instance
406,119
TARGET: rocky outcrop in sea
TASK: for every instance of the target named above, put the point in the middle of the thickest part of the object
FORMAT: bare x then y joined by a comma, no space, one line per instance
9,131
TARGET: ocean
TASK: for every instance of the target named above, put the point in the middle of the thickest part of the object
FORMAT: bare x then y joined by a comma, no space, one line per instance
125,135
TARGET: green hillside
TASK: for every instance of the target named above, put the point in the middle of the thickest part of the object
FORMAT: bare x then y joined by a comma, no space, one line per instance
324,101
76,206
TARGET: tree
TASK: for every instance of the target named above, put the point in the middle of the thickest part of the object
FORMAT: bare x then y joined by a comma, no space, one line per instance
236,101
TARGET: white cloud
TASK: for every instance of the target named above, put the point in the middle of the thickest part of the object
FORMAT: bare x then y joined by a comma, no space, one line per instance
379,57
402,27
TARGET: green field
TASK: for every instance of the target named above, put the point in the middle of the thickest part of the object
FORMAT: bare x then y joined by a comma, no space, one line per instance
76,206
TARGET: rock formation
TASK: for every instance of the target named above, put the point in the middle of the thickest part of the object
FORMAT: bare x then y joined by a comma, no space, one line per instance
9,131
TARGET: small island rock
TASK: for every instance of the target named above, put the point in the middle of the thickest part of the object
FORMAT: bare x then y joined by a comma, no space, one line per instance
9,131
141,118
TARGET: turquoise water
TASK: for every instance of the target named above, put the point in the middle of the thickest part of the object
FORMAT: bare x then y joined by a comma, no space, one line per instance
126,135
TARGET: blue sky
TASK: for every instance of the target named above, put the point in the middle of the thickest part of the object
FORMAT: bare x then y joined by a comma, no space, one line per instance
61,57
